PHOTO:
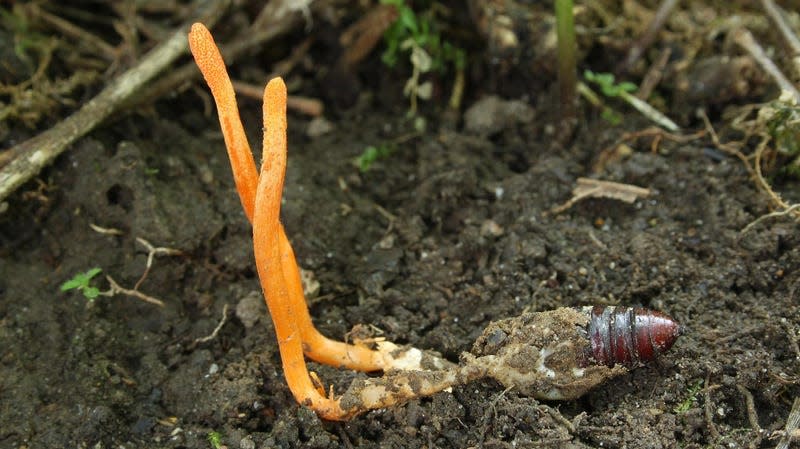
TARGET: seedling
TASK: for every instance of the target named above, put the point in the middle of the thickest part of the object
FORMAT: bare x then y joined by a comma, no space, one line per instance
82,283
623,90
691,398
214,439
419,37
781,118
607,84
371,155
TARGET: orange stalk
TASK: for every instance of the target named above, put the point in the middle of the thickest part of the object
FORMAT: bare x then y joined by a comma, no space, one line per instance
316,346
267,247
209,60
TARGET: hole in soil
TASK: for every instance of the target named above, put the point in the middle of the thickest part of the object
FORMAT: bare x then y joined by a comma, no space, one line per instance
121,196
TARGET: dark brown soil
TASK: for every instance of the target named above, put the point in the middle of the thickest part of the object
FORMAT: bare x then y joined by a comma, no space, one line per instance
467,239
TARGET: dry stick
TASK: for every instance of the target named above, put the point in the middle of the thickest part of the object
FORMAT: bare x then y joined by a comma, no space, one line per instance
760,176
67,28
654,75
649,35
216,330
253,37
151,253
105,231
31,156
116,289
304,105
745,39
778,16
779,213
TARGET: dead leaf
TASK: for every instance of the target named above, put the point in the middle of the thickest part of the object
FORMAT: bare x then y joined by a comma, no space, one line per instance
595,188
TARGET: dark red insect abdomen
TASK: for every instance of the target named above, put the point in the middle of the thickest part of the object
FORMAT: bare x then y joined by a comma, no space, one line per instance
629,336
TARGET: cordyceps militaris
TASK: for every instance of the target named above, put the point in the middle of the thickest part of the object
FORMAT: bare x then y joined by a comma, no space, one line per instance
557,354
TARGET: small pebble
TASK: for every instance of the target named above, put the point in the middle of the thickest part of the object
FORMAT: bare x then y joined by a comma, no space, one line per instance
318,126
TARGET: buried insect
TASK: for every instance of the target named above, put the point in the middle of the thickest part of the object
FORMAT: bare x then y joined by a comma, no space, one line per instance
557,354
561,354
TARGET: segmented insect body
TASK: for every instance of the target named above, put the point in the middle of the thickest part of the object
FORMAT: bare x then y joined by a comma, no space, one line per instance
628,336
563,353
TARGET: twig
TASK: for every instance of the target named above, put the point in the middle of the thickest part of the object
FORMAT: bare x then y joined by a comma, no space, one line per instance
760,177
728,148
360,38
104,231
67,28
216,330
779,213
116,289
745,39
650,112
649,35
595,188
654,74
304,105
279,19
151,253
778,16
31,156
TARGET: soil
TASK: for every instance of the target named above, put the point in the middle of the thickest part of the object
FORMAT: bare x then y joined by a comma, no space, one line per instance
449,232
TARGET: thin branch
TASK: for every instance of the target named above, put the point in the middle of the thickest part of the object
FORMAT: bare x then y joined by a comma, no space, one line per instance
151,253
779,213
779,17
745,39
216,330
116,289
107,51
29,157
650,33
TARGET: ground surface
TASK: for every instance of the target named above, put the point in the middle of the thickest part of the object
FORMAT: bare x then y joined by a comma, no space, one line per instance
448,233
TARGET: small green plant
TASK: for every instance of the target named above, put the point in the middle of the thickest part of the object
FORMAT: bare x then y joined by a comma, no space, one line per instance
419,36
612,89
82,282
214,439
781,119
607,84
691,398
372,154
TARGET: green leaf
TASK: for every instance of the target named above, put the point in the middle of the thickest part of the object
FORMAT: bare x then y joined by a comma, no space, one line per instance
91,293
80,280
93,272
607,85
72,284
627,86
408,19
